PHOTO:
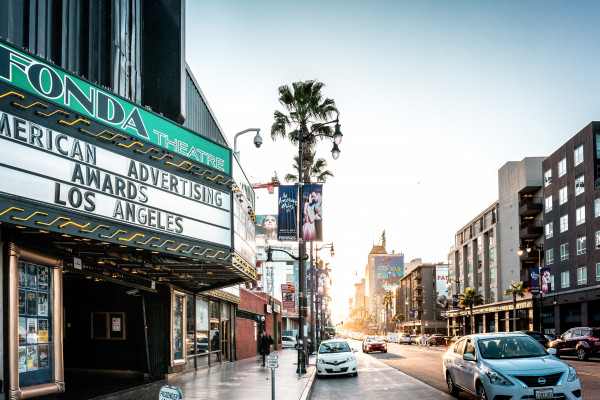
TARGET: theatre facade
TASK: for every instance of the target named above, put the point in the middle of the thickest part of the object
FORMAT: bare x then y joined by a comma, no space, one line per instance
123,234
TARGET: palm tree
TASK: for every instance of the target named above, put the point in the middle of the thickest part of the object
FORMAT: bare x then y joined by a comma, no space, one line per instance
469,299
316,169
515,290
306,109
388,299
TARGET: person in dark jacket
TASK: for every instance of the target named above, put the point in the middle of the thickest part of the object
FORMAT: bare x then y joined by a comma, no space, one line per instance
265,345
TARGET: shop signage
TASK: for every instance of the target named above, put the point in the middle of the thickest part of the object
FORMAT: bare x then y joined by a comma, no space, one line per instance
55,168
89,101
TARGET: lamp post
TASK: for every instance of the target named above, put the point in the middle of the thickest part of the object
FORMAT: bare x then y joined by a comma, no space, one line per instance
335,152
529,247
313,289
257,140
302,258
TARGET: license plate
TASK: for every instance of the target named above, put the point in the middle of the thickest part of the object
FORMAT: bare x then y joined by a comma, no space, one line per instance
337,369
544,393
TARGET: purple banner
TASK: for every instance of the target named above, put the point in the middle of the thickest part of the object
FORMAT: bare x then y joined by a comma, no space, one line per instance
312,213
535,280
546,283
288,211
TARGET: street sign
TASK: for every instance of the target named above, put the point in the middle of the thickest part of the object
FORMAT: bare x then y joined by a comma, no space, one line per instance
272,361
170,393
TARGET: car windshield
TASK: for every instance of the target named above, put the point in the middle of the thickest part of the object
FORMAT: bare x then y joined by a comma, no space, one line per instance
334,347
510,347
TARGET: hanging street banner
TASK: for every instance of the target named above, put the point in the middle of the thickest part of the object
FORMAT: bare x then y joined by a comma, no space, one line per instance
312,213
389,268
288,213
89,101
535,280
546,282
287,293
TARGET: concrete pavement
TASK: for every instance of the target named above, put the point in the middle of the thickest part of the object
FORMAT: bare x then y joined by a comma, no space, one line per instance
245,379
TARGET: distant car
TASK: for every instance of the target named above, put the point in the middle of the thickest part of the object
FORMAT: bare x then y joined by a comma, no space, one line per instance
540,337
437,340
288,342
405,338
583,342
373,343
508,366
335,357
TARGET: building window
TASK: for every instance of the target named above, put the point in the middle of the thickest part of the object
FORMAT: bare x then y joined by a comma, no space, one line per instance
578,155
581,275
479,261
491,236
597,208
581,245
549,256
493,294
479,242
552,282
579,186
469,249
492,256
469,266
470,282
562,167
462,286
564,251
564,223
564,279
480,279
548,177
549,230
580,215
562,195
548,207
597,272
492,275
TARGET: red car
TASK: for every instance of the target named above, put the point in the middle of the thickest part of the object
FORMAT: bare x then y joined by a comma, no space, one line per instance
583,342
373,343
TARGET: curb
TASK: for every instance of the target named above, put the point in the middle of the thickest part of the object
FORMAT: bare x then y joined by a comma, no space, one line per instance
306,392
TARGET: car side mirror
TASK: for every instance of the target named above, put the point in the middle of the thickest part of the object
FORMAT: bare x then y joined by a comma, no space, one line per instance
355,350
552,351
468,357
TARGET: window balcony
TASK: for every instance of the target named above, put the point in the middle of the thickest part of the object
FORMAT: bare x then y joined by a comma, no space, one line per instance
530,206
531,229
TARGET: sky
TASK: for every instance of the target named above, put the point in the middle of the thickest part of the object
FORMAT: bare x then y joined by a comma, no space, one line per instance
434,98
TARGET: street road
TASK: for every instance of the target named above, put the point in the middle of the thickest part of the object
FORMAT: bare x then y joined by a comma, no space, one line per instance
425,364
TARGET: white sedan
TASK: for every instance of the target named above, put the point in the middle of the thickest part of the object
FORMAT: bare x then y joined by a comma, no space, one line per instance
335,357
288,342
508,366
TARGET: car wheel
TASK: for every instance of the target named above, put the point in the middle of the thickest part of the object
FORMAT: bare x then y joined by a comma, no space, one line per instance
481,394
582,354
452,389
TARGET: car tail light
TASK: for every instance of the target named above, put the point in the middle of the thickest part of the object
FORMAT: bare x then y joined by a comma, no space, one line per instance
594,339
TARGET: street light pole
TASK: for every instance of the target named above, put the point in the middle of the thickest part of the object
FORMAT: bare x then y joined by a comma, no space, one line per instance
257,140
529,247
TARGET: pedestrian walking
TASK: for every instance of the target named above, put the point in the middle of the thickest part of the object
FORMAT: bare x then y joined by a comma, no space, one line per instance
265,346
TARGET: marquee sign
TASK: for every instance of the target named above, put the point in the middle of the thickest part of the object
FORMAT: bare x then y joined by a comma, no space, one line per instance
51,83
57,169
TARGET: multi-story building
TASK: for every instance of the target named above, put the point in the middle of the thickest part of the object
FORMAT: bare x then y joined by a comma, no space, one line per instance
571,217
485,254
421,298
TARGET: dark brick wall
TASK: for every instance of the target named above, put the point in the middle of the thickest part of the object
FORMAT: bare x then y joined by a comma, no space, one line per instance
247,330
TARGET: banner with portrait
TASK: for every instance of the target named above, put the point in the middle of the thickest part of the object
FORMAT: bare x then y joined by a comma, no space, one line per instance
266,226
312,213
546,281
287,227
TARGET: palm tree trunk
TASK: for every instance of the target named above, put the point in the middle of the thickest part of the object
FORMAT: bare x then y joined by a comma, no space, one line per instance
514,312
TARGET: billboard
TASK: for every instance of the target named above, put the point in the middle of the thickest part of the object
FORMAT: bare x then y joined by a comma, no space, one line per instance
312,213
389,268
441,288
266,226
287,293
288,213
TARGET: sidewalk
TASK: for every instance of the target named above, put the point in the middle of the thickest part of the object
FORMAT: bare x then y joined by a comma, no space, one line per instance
245,379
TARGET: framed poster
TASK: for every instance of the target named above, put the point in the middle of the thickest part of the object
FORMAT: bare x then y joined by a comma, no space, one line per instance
22,276
32,331
22,358
22,298
43,331
42,304
22,330
32,358
32,306
43,356
43,274
31,276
